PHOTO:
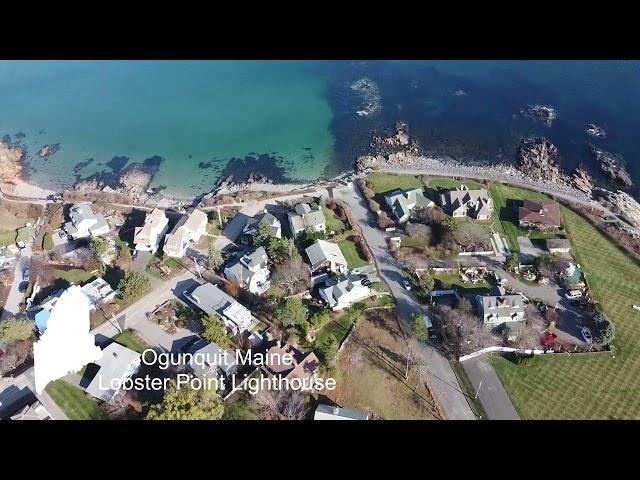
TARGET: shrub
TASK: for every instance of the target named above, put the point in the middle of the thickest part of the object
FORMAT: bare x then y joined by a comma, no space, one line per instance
384,221
373,205
14,330
605,329
362,247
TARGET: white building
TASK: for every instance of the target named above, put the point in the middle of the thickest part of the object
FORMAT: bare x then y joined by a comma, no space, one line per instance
250,270
306,219
148,237
496,310
213,301
117,364
403,202
328,412
342,292
99,291
463,202
85,223
188,230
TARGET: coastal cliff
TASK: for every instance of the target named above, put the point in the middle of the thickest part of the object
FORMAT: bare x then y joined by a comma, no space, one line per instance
10,164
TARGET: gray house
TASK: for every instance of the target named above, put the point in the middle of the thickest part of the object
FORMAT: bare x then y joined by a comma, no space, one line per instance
250,270
213,301
496,310
403,202
463,202
215,359
306,219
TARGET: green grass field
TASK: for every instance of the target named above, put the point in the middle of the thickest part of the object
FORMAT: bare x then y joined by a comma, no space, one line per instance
503,199
454,279
450,184
7,238
385,182
351,254
74,402
333,222
588,386
129,340
75,275
47,242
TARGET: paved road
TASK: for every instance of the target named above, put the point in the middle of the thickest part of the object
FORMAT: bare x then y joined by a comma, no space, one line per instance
443,381
12,305
492,394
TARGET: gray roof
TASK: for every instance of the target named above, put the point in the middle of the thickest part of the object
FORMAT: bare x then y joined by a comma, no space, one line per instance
244,266
399,200
101,222
302,208
212,354
114,362
306,217
81,211
213,301
503,305
464,198
337,287
264,218
322,251
328,412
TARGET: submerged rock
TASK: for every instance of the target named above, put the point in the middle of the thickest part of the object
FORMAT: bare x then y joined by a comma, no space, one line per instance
370,92
596,131
612,165
543,113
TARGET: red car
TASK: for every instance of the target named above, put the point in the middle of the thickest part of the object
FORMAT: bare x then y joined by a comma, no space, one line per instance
549,339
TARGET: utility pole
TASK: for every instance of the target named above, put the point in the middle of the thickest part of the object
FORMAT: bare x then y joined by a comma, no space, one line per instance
478,390
197,267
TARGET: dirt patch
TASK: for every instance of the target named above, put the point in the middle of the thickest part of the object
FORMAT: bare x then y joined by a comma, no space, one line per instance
371,372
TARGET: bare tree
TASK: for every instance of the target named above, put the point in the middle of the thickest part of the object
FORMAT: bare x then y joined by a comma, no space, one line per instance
464,332
526,337
419,232
281,404
469,234
293,276
41,269
430,216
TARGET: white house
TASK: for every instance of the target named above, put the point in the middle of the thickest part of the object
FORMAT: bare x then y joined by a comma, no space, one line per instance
213,301
250,270
325,255
188,229
147,238
99,291
85,223
463,202
402,202
342,292
328,412
306,219
117,364
496,310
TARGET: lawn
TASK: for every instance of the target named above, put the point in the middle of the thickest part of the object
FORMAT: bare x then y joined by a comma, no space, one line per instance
371,370
453,280
335,328
351,254
450,184
382,183
504,198
74,402
332,221
7,238
173,265
75,275
47,242
130,340
588,386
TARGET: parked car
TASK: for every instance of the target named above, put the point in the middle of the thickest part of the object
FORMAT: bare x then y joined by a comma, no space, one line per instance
23,287
62,234
573,294
406,284
26,274
586,334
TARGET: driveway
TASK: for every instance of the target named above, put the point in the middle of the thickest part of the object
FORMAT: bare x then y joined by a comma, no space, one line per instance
442,379
529,251
12,305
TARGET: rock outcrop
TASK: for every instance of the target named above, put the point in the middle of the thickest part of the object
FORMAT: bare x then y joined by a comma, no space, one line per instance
612,165
397,145
538,158
621,201
10,164
370,93
542,113
581,180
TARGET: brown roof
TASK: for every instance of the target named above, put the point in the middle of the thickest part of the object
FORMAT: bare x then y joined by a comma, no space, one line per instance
304,366
540,212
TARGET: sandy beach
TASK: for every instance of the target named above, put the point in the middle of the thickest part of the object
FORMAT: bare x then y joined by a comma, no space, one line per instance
20,188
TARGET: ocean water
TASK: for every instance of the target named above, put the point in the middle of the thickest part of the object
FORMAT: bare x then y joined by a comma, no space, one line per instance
297,119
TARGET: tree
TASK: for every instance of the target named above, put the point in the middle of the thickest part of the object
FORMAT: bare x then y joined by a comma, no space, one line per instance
469,234
430,216
419,327
605,329
551,316
187,404
320,318
425,283
263,236
463,332
124,259
328,349
293,276
384,221
41,269
464,306
353,315
280,250
13,330
526,337
309,238
215,257
512,262
291,312
281,404
419,233
133,285
232,288
99,247
214,330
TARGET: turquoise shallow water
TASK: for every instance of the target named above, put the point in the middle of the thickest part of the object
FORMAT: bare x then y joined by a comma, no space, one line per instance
185,112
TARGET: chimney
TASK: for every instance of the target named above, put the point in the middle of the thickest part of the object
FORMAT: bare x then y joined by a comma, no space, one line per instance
115,354
335,410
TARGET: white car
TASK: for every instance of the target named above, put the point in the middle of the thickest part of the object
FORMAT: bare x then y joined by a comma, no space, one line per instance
406,284
586,334
636,307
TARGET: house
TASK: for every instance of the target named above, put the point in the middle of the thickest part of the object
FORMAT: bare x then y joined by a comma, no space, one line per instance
463,202
46,306
36,411
99,291
189,229
305,366
325,255
496,310
147,238
342,292
117,364
329,412
215,359
213,301
306,219
540,214
85,223
403,202
250,270
253,225
558,245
